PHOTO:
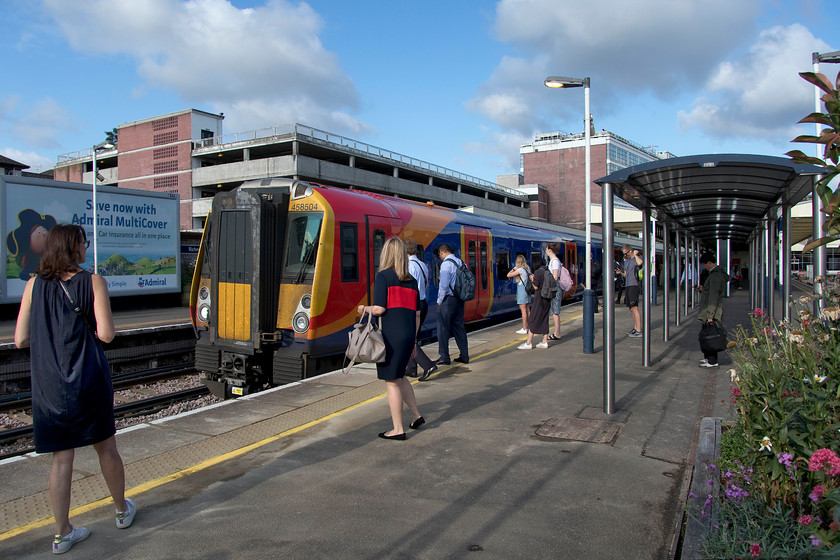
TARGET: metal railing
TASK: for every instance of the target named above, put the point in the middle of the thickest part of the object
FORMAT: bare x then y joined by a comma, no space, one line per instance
363,148
87,153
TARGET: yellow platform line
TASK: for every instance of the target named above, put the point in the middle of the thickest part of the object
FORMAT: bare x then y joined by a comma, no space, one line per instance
146,486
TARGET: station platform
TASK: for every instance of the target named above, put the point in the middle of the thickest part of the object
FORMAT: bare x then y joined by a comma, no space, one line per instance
298,472
124,321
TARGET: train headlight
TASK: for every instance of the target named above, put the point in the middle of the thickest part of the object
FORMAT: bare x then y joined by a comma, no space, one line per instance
203,293
300,322
306,301
204,312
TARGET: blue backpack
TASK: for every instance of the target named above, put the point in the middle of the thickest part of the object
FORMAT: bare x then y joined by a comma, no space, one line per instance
464,283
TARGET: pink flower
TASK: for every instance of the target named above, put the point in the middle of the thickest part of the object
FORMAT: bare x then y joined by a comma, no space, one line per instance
758,312
755,550
825,459
817,493
806,520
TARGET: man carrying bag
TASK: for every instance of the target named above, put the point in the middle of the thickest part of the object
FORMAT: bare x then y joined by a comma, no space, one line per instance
712,335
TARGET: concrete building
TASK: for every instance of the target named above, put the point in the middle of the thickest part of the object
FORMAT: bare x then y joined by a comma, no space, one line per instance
557,162
187,153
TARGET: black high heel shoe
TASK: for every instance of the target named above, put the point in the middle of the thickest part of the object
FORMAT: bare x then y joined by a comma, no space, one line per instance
417,423
399,437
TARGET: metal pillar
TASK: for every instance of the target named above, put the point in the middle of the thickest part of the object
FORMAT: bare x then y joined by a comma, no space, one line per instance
609,296
666,277
646,298
687,275
786,260
771,263
728,245
678,276
820,252
652,260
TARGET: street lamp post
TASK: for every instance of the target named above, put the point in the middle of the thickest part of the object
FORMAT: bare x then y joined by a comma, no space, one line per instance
820,255
588,292
96,149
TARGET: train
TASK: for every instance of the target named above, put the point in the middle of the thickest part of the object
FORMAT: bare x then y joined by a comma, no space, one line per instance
283,265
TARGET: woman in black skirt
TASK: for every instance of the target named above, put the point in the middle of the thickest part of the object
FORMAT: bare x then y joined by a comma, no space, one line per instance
63,311
397,301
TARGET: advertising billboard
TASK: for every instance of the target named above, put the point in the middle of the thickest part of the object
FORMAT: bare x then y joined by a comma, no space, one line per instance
139,238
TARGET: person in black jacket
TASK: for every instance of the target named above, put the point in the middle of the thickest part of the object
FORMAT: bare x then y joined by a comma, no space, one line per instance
711,300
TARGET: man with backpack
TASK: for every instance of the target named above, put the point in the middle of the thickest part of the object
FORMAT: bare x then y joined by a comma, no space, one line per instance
564,282
630,272
450,320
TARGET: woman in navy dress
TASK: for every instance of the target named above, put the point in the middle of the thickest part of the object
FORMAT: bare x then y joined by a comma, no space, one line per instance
397,302
72,396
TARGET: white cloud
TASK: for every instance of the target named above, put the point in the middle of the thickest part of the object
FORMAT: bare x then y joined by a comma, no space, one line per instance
644,45
761,92
38,123
267,60
36,162
501,149
628,49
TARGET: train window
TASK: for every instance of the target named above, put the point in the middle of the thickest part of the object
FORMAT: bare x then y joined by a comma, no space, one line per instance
349,252
482,248
302,240
502,265
534,254
471,256
378,243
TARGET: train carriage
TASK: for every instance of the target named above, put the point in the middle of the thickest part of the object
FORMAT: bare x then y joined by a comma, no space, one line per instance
283,265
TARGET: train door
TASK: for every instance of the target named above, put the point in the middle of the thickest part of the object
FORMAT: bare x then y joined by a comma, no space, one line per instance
477,253
571,263
378,230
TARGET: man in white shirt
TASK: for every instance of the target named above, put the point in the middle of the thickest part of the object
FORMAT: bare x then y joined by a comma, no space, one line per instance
450,309
420,272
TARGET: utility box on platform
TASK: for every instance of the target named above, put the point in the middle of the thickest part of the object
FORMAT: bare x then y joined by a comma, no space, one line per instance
138,248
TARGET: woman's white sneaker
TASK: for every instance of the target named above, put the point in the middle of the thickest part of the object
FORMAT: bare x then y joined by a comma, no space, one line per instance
62,544
542,345
125,518
522,331
524,346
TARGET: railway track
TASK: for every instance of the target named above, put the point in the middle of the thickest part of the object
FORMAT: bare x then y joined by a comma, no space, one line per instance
24,399
18,440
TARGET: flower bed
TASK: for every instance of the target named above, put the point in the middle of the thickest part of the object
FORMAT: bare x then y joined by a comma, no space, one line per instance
776,486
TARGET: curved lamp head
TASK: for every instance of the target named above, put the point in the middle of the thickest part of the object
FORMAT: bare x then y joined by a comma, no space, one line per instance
566,82
826,57
105,145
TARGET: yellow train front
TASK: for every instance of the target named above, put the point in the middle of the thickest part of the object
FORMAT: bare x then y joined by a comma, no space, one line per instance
252,289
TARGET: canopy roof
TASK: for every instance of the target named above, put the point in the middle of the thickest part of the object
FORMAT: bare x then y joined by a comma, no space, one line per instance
714,196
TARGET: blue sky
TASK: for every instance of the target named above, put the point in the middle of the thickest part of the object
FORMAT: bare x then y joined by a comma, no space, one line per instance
456,83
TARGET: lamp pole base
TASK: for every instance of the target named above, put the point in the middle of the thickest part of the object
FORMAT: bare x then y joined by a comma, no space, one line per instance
589,304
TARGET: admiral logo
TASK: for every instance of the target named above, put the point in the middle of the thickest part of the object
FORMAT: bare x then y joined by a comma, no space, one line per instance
146,282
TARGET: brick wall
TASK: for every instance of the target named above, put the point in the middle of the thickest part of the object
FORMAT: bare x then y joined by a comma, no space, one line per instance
563,173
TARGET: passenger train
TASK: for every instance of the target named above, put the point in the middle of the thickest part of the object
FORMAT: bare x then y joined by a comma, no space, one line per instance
283,265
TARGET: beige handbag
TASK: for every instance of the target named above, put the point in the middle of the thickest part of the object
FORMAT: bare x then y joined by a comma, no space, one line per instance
366,344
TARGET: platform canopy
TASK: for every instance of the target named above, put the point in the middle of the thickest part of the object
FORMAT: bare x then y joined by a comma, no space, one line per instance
714,196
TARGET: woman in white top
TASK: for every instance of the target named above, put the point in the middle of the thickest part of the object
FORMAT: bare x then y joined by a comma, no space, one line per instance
520,274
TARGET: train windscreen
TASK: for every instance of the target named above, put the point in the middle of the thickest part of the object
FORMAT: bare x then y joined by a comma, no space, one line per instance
302,246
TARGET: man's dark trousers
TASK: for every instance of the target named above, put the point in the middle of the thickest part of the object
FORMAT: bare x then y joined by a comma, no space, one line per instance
451,323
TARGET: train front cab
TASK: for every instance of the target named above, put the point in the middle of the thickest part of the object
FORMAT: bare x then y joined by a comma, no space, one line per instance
235,288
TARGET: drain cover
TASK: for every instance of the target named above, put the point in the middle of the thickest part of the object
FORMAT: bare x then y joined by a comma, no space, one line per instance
579,429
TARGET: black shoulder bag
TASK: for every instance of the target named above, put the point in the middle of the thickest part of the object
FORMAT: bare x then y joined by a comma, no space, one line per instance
77,309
